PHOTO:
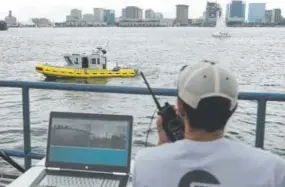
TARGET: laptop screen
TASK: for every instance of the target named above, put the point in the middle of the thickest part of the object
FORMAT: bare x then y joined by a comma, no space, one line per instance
90,140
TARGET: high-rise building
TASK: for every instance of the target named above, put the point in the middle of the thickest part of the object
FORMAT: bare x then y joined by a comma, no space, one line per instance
124,15
140,14
210,15
237,8
227,12
133,12
106,14
256,12
76,14
182,14
69,18
276,16
41,22
149,14
109,17
236,11
268,16
98,15
88,19
11,20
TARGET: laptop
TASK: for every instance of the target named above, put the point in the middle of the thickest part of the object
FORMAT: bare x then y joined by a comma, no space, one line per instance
87,150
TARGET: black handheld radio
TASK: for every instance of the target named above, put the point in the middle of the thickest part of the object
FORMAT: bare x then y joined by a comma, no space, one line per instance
172,124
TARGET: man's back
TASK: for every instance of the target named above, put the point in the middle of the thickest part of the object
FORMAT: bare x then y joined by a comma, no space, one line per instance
220,163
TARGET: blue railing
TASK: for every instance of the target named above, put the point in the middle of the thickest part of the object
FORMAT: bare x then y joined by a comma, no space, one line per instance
261,99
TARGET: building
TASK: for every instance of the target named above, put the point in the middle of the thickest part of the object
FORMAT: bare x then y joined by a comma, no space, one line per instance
75,18
140,13
182,15
76,14
11,20
124,15
141,23
227,12
133,13
268,16
167,22
109,17
236,12
237,8
256,13
69,18
276,16
158,16
41,22
98,15
149,14
210,15
88,19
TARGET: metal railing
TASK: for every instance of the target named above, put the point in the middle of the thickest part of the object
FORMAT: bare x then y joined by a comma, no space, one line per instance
261,99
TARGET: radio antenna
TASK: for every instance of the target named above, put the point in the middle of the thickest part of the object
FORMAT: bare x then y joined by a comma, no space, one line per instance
152,94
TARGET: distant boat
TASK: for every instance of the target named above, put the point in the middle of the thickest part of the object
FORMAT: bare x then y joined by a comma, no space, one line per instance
3,26
220,25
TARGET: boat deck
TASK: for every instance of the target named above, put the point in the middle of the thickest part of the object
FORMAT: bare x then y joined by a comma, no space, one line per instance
28,155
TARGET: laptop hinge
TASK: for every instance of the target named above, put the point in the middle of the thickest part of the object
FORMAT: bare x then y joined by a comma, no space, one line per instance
118,173
51,168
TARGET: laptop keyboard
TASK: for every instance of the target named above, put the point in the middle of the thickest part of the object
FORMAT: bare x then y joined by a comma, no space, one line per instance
68,181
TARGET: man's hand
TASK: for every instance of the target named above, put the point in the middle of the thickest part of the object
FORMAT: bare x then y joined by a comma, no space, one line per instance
162,137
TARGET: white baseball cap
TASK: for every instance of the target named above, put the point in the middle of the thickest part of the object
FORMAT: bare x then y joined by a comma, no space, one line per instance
207,79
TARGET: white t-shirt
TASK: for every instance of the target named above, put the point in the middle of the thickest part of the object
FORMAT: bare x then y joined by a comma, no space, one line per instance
220,163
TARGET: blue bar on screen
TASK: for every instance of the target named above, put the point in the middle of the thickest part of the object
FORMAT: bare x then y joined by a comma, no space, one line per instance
110,157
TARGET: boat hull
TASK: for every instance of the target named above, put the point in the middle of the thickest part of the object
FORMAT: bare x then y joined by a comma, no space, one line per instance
221,35
55,72
3,26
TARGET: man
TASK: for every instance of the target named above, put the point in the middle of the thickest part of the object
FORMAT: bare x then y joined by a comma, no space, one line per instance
207,98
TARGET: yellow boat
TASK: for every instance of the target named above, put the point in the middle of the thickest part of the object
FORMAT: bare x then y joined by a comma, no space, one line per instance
98,81
85,66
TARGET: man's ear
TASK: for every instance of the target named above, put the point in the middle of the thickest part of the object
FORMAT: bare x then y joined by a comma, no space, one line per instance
233,111
180,108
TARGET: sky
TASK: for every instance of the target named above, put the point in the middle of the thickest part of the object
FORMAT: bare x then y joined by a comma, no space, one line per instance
56,10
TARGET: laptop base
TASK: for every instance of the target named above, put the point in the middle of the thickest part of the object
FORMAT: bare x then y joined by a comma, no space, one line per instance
79,179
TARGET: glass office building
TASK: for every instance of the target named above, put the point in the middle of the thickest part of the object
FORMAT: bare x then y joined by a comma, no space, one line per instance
237,9
256,13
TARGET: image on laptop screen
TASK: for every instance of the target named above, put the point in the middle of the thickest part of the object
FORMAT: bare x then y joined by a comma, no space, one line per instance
89,141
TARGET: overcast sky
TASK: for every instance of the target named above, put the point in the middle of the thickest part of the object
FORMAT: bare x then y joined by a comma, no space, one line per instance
56,10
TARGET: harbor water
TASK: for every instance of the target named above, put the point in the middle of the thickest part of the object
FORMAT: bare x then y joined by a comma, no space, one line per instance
255,55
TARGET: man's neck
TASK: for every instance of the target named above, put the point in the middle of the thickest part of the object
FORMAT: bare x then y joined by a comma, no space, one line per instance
200,135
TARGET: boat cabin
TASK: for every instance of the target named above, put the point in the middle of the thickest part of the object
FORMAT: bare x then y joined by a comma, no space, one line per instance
97,60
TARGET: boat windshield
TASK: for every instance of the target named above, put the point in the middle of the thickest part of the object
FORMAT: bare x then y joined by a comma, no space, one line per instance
67,59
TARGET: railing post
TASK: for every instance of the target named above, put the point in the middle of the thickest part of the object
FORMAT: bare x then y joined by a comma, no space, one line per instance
26,124
260,123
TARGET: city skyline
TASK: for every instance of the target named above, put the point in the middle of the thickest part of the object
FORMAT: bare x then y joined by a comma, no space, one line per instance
96,127
57,10
89,133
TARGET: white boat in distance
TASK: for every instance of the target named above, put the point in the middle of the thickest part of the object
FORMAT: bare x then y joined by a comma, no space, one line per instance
220,25
221,35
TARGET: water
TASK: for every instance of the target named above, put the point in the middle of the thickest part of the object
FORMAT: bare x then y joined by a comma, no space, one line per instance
255,55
